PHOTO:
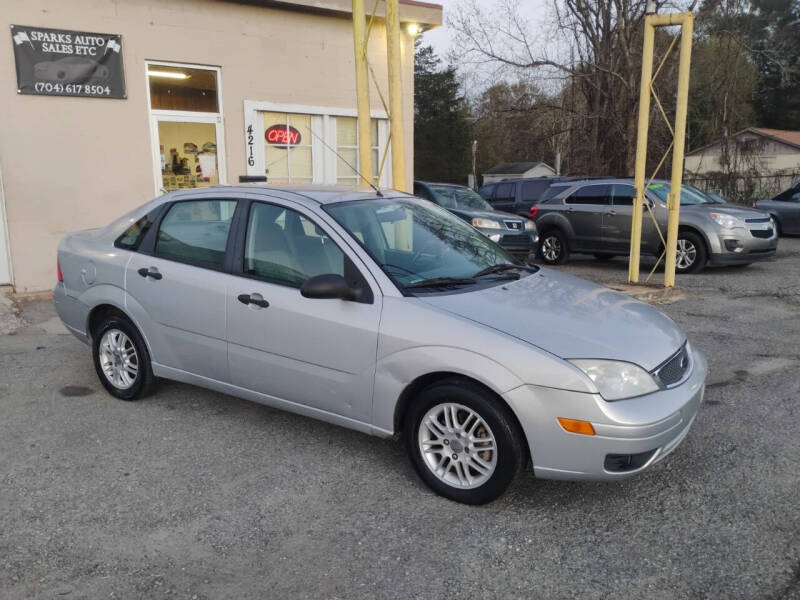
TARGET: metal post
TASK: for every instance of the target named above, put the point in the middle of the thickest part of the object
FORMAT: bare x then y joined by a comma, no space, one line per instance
395,94
641,150
362,91
674,200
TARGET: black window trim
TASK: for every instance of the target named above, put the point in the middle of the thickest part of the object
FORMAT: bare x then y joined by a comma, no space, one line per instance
148,245
236,252
588,185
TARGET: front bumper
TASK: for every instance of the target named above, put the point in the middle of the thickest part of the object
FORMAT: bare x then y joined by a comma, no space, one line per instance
644,429
735,247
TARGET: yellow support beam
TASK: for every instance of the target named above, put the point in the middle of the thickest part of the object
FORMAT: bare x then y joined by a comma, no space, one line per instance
393,51
362,91
674,201
686,22
641,151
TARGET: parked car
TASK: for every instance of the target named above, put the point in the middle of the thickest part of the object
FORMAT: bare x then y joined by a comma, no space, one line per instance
594,216
388,315
517,235
785,210
517,195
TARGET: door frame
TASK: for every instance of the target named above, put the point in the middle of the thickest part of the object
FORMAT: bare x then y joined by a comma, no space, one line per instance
184,116
5,252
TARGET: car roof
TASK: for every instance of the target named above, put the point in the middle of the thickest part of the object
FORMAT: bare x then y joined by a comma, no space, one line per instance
320,194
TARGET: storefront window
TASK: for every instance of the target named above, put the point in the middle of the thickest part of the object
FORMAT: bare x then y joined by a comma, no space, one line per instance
347,148
288,148
188,154
183,88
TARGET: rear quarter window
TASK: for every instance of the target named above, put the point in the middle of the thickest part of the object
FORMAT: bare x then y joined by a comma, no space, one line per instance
132,237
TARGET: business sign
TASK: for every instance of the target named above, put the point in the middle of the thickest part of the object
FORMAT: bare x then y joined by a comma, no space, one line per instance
282,136
58,62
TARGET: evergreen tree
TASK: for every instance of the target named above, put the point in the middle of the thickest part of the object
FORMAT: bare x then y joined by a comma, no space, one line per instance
441,129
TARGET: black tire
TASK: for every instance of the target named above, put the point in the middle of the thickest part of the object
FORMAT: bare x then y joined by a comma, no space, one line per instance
510,455
778,228
144,379
553,244
605,257
700,255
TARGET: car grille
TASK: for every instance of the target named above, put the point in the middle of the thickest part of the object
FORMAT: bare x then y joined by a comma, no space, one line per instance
762,233
674,368
515,225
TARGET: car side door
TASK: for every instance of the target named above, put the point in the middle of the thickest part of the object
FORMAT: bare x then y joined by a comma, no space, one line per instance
318,353
618,221
504,196
175,285
585,209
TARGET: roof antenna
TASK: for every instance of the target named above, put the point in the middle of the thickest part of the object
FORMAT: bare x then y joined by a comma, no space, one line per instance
352,168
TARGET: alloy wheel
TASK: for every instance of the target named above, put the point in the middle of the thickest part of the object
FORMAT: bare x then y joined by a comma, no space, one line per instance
457,445
686,254
118,359
551,248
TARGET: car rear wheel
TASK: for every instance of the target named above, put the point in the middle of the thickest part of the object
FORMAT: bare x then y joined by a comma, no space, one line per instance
121,359
464,444
553,248
691,253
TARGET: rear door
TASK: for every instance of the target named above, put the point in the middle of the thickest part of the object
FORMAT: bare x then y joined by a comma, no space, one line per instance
585,209
175,286
530,192
504,197
313,352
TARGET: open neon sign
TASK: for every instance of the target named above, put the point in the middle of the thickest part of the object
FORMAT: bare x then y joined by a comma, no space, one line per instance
282,136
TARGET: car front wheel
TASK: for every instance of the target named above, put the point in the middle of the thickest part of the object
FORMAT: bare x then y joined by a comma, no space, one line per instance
464,444
121,359
690,253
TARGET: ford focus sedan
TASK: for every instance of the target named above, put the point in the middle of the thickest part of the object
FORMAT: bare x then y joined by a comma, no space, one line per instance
389,315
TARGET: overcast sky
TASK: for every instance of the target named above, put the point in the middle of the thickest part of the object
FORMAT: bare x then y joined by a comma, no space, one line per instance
441,37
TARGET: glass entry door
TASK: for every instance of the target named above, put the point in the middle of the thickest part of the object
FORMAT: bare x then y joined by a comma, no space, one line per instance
187,151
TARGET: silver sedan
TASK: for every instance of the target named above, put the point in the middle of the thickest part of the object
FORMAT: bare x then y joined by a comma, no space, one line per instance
388,315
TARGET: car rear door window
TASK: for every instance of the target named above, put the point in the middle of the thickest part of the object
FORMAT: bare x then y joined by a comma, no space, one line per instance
504,193
533,190
196,232
599,194
283,246
132,237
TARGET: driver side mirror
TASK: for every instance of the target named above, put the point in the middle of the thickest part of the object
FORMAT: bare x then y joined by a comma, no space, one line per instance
328,286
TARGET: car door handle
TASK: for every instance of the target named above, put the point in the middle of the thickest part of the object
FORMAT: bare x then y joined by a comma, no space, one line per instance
256,299
151,272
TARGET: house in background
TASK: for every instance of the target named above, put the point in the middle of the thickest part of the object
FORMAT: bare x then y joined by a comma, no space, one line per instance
755,163
517,170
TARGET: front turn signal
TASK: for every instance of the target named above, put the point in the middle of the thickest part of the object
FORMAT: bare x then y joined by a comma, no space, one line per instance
575,426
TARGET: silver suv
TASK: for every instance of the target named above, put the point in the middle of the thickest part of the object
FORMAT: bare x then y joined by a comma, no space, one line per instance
594,216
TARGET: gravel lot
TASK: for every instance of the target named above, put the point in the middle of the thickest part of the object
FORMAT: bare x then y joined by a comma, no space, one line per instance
192,494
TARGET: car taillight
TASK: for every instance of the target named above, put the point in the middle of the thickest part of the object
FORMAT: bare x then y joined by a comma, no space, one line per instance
534,210
754,205
58,270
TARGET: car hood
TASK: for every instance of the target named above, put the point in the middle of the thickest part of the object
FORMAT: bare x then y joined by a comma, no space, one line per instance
570,317
486,214
741,212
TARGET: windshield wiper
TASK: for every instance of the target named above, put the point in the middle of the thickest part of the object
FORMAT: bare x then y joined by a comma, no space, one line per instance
502,267
441,282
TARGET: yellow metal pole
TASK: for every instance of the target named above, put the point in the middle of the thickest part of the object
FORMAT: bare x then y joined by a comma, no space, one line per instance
395,95
674,200
641,149
362,91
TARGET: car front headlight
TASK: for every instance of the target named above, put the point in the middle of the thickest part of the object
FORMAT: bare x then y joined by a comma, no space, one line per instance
486,223
615,379
530,226
727,221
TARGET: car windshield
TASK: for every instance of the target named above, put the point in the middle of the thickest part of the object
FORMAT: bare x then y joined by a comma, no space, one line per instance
688,196
461,198
415,242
